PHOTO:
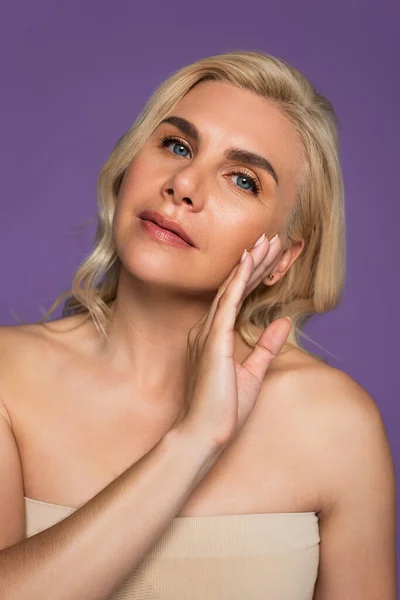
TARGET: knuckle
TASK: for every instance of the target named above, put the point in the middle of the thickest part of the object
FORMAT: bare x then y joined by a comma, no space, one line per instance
199,343
266,350
219,295
210,341
193,335
223,300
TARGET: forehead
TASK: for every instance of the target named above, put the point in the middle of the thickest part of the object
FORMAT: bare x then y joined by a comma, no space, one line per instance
227,116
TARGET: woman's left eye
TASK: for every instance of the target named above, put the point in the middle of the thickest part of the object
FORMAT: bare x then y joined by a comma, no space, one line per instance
248,179
243,175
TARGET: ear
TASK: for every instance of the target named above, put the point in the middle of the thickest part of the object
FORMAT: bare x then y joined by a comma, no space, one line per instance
283,263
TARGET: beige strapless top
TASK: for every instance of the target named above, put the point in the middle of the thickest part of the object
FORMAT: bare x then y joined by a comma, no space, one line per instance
270,556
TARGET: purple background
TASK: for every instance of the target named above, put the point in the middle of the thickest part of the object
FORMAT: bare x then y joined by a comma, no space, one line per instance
74,76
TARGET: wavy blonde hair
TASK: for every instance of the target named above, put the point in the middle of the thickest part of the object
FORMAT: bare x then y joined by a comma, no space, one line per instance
315,281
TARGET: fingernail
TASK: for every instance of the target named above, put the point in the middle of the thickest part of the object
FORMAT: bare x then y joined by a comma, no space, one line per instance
260,240
243,255
289,319
272,240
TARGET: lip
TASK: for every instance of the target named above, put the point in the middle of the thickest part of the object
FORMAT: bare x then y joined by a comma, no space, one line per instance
159,219
163,235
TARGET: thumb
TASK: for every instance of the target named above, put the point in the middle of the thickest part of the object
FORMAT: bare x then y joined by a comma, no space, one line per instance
268,346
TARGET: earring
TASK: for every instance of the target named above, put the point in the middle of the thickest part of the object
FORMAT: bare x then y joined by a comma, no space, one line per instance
270,277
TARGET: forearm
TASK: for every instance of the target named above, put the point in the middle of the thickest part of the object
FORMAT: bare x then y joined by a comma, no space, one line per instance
90,553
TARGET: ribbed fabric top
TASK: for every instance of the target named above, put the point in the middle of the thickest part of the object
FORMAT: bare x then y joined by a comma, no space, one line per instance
270,556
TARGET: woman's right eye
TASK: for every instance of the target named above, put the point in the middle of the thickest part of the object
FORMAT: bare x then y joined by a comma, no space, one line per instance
175,142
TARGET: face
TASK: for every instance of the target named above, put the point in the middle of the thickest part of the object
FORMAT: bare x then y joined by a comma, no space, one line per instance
188,172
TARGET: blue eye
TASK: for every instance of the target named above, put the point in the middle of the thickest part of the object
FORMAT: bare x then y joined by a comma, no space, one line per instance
248,179
246,182
176,142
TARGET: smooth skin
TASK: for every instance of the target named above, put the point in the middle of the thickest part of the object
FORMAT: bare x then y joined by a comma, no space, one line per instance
100,415
230,387
68,558
162,290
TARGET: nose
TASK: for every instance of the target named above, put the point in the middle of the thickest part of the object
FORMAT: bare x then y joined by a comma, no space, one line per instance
185,186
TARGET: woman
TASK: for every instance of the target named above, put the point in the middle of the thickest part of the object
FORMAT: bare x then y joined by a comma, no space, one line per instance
170,438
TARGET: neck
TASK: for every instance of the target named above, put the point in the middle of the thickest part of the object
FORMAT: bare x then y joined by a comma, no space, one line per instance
147,334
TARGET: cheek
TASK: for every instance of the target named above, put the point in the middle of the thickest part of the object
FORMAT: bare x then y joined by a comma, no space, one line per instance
137,179
120,228
237,232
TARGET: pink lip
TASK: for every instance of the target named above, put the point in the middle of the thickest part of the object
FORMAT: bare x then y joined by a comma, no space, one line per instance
161,221
163,235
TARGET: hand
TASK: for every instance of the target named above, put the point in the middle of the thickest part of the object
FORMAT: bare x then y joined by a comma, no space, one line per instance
221,392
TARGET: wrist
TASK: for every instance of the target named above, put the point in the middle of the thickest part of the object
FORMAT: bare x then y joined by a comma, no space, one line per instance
192,439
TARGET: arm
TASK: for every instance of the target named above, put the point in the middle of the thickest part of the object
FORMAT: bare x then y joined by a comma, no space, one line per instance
357,524
70,559
90,553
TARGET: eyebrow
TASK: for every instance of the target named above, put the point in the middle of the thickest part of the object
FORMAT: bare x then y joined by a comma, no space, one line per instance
239,154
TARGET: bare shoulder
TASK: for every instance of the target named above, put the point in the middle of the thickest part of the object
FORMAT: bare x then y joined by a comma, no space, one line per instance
17,338
355,456
18,344
19,351
336,421
348,450
27,353
353,461
332,395
358,520
348,420
21,343
340,412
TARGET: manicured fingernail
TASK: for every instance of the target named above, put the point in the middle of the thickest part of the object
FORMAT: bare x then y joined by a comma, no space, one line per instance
243,255
272,240
260,240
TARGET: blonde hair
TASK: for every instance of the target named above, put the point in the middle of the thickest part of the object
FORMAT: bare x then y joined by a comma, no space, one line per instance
315,281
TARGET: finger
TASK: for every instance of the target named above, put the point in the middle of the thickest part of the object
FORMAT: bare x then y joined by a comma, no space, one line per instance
264,256
262,271
231,300
268,346
267,259
259,253
205,323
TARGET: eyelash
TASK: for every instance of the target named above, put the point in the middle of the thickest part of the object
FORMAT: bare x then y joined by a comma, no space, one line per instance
255,187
